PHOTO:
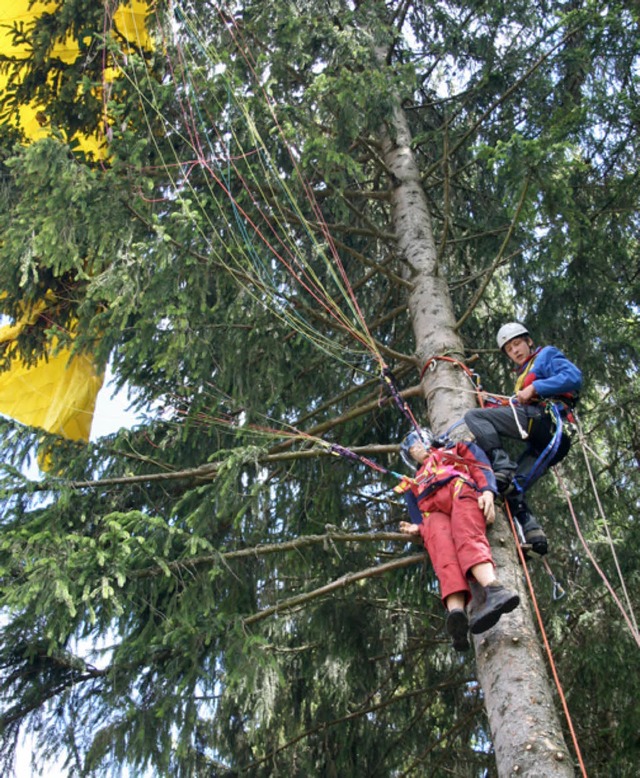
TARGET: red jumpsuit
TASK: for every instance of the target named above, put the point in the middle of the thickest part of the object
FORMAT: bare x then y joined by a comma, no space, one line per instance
446,489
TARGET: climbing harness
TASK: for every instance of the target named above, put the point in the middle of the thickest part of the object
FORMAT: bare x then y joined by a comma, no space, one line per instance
548,453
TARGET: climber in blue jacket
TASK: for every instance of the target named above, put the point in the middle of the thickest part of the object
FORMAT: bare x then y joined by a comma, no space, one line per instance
545,393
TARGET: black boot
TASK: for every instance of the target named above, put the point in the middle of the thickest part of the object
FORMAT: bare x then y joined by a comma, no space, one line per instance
532,532
498,601
534,535
457,625
503,469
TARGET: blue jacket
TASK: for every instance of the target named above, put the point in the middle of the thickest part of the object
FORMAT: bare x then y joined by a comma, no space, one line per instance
551,374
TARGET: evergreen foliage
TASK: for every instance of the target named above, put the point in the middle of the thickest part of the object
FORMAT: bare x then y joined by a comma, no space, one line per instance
162,588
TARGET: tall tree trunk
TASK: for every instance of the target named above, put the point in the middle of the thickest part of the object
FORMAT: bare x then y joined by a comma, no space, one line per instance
518,696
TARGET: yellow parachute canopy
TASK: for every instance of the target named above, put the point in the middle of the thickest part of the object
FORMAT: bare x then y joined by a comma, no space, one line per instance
59,392
129,20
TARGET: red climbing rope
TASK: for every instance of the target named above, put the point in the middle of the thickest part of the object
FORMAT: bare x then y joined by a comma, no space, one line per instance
471,374
545,640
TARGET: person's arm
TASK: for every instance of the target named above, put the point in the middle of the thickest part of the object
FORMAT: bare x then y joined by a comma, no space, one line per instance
482,474
409,528
555,374
415,514
486,505
479,466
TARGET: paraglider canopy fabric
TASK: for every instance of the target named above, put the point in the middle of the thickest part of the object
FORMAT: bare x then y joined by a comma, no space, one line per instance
57,394
129,20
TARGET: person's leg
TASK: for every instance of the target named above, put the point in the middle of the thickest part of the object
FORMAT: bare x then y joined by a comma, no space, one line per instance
532,532
484,573
436,534
454,601
454,587
489,426
468,529
530,467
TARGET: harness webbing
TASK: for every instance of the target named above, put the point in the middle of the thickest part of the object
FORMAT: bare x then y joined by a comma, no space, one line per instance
347,453
546,457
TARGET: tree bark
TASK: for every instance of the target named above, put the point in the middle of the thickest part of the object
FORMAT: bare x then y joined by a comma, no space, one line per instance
524,723
446,389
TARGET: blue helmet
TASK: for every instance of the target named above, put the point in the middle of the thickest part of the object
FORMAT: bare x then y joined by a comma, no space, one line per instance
424,436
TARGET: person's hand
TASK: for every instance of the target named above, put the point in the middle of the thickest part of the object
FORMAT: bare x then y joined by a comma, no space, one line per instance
409,528
524,396
485,503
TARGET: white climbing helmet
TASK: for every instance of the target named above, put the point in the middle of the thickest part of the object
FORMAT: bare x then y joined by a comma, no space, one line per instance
423,435
509,331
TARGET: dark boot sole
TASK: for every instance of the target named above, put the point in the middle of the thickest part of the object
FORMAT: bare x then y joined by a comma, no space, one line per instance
488,620
540,548
457,625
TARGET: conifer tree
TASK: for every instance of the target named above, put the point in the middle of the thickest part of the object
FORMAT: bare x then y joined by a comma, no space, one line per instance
282,214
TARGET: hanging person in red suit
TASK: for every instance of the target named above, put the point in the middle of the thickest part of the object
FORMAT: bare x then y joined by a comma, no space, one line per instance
451,501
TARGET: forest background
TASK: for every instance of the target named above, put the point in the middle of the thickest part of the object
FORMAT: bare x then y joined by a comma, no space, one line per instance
303,225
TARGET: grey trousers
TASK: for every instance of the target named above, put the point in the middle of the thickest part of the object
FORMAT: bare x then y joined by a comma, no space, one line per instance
491,425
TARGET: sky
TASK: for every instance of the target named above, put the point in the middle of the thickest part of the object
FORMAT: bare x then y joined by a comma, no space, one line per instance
111,411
